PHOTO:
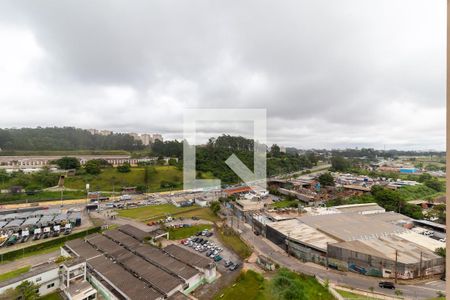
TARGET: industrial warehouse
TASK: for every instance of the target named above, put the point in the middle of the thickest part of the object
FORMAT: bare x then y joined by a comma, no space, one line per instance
359,238
120,265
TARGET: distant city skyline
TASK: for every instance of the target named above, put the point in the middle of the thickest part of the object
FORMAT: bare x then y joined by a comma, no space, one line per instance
331,74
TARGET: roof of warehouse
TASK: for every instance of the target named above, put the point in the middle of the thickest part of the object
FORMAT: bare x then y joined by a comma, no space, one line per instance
158,278
357,208
422,240
31,221
188,256
430,223
123,280
134,232
350,226
385,247
178,296
158,257
47,218
303,233
122,238
105,245
389,217
14,223
82,248
161,280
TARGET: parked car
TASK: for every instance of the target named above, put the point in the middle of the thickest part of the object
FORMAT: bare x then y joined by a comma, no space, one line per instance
386,285
233,267
217,258
228,263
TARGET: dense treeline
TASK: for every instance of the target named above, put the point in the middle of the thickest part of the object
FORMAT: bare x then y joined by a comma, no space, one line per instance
212,156
64,138
371,153
391,200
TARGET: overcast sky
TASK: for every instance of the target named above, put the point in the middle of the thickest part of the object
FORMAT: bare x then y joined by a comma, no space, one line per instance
333,74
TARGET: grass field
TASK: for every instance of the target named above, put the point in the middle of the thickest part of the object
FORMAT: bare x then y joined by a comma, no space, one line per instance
52,296
353,296
185,232
151,213
249,286
14,273
286,203
203,213
252,286
110,176
230,239
41,196
145,213
418,192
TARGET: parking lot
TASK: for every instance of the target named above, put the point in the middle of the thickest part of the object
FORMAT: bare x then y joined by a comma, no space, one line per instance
227,276
207,244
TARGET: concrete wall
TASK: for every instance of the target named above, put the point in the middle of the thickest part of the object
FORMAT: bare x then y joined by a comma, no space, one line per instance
375,266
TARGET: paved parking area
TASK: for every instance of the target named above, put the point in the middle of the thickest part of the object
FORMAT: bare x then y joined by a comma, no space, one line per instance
226,278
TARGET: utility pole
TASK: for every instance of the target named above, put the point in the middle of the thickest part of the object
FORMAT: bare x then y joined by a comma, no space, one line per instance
420,266
396,261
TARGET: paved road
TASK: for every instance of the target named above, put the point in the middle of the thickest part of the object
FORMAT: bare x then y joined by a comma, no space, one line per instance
262,245
28,261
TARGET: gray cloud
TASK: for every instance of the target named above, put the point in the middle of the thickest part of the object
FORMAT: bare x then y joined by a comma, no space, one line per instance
330,73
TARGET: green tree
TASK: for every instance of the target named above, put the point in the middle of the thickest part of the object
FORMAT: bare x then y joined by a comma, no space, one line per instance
275,150
387,198
28,290
286,286
124,168
339,163
67,163
4,176
440,251
434,184
215,207
326,179
438,211
93,167
424,177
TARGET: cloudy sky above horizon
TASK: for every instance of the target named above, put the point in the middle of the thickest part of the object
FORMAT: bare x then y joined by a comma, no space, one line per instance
331,74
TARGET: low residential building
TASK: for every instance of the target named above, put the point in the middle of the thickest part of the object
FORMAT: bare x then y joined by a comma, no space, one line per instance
69,277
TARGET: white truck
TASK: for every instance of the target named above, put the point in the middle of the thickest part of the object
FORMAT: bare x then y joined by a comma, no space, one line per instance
46,232
56,230
67,228
25,235
37,234
125,198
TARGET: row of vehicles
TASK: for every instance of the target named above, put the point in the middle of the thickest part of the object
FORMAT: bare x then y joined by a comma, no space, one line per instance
203,245
231,265
11,238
